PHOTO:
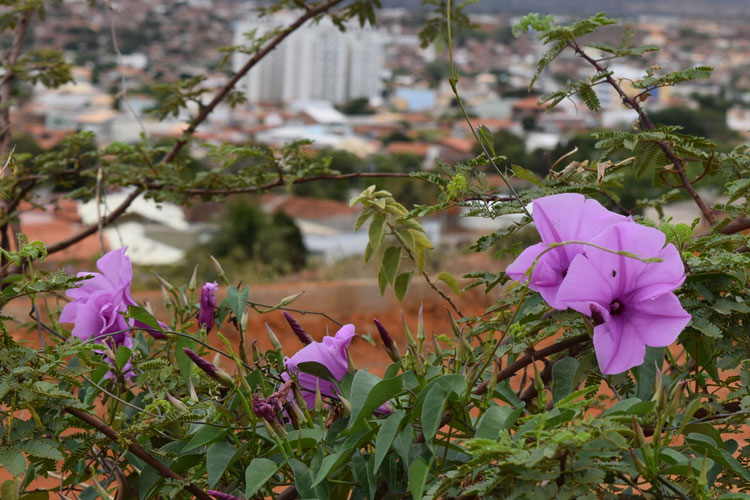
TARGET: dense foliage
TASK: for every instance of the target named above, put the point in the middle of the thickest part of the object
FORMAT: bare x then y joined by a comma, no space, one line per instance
511,404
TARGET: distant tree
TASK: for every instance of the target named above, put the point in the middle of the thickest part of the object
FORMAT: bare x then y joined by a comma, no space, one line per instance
509,145
396,136
246,232
357,106
436,71
341,161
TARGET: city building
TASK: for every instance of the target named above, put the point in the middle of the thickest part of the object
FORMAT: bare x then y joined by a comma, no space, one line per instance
316,62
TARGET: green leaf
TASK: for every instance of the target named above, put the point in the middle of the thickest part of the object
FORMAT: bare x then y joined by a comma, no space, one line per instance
451,281
432,412
401,286
563,377
184,364
361,218
122,356
418,470
218,457
317,369
734,496
329,464
13,461
237,299
386,435
391,262
145,317
369,392
257,474
492,422
302,479
43,448
206,434
9,490
527,175
377,231
645,374
382,281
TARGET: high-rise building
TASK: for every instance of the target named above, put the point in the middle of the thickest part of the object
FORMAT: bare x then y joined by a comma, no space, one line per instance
317,61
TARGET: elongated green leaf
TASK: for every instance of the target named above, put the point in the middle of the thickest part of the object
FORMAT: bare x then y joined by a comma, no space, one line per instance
369,392
257,474
9,490
418,470
492,422
317,369
391,262
302,479
237,299
646,373
527,175
450,280
218,457
377,231
206,434
386,435
432,412
563,377
122,356
401,286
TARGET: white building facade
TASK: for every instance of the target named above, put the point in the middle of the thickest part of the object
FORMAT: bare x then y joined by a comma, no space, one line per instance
317,61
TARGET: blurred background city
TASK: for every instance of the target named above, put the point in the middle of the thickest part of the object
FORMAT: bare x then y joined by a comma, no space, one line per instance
371,99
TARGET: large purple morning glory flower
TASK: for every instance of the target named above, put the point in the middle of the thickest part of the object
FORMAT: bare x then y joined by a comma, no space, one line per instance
97,304
558,218
331,353
630,302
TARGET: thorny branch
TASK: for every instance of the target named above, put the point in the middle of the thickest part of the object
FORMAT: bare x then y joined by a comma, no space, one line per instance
646,123
137,450
200,118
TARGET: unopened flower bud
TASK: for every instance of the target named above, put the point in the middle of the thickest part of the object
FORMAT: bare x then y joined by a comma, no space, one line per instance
243,319
166,284
179,405
218,495
318,398
420,326
640,437
274,339
346,404
215,373
390,346
300,332
217,267
193,280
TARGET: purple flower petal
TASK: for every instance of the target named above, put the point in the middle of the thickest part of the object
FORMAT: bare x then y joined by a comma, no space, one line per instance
617,348
658,321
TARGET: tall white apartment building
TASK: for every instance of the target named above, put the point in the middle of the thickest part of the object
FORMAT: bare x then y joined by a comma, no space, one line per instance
317,61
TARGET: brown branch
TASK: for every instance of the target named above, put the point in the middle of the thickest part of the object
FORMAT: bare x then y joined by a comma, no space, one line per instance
739,224
312,12
138,450
532,356
281,182
707,212
7,82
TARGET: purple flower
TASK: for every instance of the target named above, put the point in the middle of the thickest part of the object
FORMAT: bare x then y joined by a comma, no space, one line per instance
331,353
558,218
208,305
97,304
630,302
222,496
300,332
262,408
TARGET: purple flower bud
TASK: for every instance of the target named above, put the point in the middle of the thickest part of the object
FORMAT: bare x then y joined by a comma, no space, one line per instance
208,305
222,496
390,345
300,332
219,375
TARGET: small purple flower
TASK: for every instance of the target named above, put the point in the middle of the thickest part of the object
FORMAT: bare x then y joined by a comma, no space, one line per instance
331,353
630,302
558,218
222,496
300,332
208,305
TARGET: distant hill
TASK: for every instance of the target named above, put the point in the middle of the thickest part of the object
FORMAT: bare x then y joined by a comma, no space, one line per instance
687,8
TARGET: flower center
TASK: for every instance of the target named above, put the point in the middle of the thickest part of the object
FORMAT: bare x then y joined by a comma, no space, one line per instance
616,307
